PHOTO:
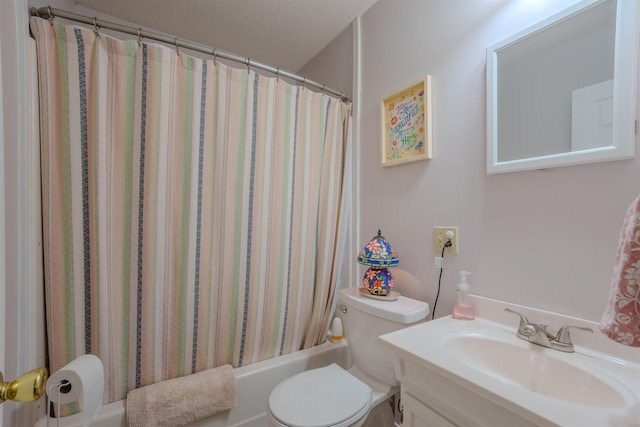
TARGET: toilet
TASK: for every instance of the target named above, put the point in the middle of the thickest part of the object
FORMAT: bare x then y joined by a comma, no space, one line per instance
334,397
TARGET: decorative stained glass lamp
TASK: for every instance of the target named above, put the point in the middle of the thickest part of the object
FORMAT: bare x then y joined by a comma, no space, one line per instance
378,255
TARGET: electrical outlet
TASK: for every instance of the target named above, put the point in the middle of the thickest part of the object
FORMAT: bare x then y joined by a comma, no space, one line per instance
440,238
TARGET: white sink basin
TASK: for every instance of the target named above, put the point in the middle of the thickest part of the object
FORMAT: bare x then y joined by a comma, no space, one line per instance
533,368
484,363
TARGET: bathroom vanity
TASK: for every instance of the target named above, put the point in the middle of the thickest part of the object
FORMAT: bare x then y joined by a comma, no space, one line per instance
480,373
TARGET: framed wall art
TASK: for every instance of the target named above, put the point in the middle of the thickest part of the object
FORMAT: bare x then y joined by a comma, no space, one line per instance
406,124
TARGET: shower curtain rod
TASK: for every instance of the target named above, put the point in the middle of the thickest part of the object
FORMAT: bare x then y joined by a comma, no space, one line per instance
50,13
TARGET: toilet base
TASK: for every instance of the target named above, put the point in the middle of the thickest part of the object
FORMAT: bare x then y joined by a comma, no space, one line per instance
380,416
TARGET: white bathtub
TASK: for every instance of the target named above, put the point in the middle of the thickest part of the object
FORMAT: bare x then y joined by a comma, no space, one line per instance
255,383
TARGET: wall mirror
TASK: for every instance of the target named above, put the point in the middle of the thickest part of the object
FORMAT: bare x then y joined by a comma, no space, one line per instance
563,92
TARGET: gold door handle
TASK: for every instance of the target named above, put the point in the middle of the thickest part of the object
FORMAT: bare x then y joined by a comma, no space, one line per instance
27,387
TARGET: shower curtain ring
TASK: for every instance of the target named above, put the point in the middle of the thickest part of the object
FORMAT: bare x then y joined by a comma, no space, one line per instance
215,55
248,62
50,14
304,82
324,88
177,45
95,26
139,37
278,74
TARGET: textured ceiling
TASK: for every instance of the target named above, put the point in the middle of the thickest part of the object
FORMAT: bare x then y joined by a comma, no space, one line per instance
281,33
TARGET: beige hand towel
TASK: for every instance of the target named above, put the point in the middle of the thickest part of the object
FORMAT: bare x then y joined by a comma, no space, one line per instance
183,400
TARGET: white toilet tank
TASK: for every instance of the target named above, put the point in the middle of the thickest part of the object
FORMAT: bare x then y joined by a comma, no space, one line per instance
366,319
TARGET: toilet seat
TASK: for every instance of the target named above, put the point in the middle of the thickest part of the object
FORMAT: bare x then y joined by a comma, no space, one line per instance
322,397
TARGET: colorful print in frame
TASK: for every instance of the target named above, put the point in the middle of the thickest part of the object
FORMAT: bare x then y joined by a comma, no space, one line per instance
406,124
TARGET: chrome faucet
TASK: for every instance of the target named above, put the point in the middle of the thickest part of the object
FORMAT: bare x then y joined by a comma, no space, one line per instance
538,334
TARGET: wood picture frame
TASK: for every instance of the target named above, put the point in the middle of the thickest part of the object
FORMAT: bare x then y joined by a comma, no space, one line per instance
406,124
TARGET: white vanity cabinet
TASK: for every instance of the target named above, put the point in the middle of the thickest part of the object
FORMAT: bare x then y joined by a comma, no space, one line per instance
434,399
417,414
479,373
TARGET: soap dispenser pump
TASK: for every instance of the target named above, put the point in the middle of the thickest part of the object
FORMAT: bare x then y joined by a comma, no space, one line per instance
462,309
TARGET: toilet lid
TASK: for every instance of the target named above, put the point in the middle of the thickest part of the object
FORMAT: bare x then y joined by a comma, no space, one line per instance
320,397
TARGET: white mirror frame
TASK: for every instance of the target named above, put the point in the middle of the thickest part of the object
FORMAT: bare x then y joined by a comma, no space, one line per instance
624,91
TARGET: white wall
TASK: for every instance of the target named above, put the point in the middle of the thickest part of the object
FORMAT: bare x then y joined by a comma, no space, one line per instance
334,61
24,312
12,36
541,238
3,296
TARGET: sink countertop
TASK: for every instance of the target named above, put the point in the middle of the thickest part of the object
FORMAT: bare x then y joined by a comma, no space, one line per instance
613,363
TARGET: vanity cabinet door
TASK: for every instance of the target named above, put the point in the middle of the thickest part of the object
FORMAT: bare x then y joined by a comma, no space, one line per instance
417,414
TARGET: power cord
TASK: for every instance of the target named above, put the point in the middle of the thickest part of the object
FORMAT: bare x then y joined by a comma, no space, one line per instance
447,244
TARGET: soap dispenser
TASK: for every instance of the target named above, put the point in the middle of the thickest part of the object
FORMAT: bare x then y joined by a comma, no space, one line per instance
462,309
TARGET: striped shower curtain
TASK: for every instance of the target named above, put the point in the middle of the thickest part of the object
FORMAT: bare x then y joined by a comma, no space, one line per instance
193,212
